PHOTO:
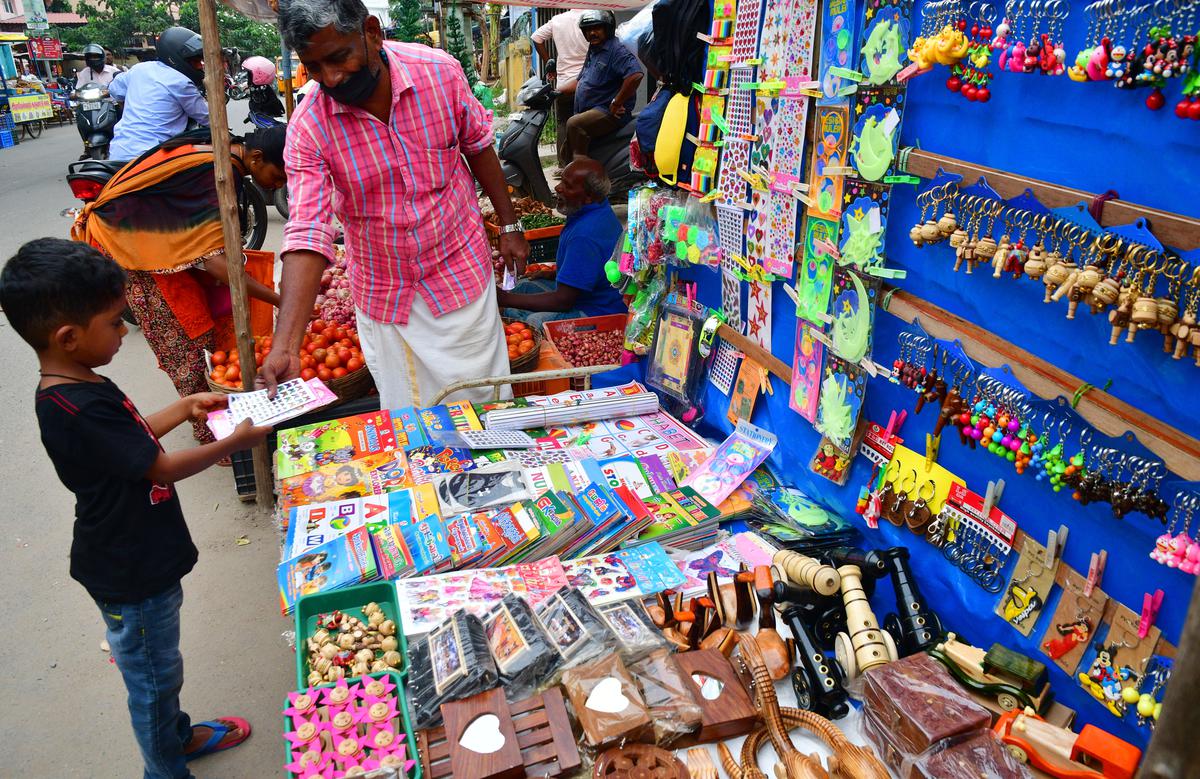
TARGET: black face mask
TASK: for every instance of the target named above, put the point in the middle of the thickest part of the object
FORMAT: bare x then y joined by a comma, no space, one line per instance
356,89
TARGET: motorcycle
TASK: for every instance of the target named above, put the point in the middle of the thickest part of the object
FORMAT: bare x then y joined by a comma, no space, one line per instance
237,87
518,147
88,177
96,115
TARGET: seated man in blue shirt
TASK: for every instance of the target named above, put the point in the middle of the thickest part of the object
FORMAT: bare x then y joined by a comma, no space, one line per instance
160,97
587,242
606,90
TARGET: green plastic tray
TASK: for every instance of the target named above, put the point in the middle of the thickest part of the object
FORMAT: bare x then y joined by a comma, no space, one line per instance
405,717
349,600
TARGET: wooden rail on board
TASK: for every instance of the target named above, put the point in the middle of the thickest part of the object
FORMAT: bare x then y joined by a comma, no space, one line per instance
752,349
1180,452
1176,230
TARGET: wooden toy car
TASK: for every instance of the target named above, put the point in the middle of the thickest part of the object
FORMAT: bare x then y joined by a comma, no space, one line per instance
1012,679
1065,755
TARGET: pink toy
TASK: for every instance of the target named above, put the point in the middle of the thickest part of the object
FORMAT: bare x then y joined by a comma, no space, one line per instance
302,704
376,687
1097,65
308,759
1191,561
1162,549
307,732
345,730
1177,549
1016,60
339,696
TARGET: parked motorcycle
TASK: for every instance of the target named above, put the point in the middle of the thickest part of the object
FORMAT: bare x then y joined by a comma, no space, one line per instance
237,87
518,147
96,115
88,177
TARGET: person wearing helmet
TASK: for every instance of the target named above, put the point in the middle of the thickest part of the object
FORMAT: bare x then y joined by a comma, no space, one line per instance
96,70
571,48
162,96
264,100
607,87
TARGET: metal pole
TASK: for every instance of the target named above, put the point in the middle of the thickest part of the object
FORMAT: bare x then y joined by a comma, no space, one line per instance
289,100
227,200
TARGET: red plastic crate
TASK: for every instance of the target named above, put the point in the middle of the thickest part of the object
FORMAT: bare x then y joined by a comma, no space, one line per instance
601,324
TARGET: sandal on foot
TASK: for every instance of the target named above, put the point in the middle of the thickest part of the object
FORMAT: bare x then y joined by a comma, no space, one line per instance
221,738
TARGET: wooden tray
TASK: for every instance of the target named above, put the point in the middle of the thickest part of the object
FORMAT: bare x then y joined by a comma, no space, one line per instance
728,715
543,735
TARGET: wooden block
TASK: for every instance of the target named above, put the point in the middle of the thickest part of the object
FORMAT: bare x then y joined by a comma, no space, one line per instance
503,763
542,733
727,715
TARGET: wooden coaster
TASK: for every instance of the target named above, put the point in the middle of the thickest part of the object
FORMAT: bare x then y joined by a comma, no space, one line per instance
491,750
543,735
727,711
638,761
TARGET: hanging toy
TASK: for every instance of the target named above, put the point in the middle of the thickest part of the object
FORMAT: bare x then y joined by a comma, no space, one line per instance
882,50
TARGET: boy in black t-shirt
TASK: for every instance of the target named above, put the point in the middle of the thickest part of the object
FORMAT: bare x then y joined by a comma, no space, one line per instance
131,546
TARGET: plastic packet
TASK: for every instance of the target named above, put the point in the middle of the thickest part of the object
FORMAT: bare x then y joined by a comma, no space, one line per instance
448,664
523,653
636,634
648,288
965,756
668,696
606,702
574,628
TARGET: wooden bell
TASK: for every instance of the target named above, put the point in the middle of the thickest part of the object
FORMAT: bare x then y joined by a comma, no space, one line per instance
1057,274
1104,294
948,224
1168,312
1182,330
1000,258
915,236
1035,262
931,232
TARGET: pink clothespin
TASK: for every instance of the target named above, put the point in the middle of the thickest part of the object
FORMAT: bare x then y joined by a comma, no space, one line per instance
1095,572
895,422
1150,606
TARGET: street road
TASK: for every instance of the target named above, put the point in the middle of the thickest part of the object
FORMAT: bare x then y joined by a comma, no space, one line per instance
63,711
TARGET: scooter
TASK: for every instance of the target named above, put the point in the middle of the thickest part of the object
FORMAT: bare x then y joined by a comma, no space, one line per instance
518,146
96,115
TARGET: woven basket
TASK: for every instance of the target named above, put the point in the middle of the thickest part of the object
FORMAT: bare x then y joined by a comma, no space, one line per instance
528,361
349,387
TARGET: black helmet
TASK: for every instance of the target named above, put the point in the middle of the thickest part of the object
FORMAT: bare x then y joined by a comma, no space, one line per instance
176,46
597,18
93,56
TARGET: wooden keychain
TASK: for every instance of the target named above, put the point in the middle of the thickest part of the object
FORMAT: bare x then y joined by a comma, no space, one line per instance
1075,620
1033,577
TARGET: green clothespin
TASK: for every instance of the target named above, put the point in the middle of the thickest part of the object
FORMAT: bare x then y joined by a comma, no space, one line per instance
749,85
847,91
846,73
902,178
719,120
886,273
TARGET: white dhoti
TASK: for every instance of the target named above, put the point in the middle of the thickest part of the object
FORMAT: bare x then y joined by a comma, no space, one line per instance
412,363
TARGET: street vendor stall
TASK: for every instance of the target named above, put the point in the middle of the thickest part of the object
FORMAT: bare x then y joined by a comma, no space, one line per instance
665,571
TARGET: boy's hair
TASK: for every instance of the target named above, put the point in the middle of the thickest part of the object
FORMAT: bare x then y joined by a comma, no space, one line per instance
50,282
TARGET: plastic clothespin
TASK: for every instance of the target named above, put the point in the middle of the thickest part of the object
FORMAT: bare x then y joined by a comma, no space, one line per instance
895,422
791,293
704,37
711,195
994,490
839,170
828,248
1150,607
846,73
869,366
817,335
902,178
885,273
799,186
1056,542
1095,572
846,91
932,445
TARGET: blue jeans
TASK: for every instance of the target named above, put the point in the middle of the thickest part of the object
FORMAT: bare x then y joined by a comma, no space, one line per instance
144,639
535,319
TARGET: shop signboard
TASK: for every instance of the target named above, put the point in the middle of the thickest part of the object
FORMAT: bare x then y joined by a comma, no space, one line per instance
46,48
26,108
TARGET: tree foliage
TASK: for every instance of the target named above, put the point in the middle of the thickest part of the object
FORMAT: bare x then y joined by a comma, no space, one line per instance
121,24
456,46
408,20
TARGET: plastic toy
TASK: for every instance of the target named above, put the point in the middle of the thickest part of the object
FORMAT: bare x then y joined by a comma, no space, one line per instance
1011,679
1065,755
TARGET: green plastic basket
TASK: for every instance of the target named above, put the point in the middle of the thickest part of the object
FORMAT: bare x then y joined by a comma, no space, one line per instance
349,600
405,717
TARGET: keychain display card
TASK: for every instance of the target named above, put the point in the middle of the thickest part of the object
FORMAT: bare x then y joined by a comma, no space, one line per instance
1074,622
1029,588
1117,658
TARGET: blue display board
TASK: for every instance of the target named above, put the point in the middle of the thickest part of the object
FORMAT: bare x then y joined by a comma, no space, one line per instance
1088,136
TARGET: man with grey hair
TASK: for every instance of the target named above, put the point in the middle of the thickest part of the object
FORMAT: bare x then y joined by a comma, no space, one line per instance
580,287
388,144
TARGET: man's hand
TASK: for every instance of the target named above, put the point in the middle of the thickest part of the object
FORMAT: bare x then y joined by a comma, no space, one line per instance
616,109
514,249
278,366
201,403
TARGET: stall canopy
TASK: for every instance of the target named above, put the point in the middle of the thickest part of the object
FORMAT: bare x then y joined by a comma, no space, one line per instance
264,11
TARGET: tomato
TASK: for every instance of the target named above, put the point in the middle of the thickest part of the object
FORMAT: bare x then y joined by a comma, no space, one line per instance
346,342
219,358
332,361
324,374
513,339
234,373
319,341
320,354
339,373
512,353
317,325
308,373
353,364
330,333
344,355
526,334
339,333
524,346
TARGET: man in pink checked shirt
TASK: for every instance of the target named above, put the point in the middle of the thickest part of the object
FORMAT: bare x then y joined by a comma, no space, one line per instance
388,144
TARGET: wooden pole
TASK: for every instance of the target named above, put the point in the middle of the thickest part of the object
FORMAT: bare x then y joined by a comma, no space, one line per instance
289,98
227,201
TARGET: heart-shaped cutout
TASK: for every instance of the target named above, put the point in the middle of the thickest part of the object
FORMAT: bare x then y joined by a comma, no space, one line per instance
482,736
607,698
710,688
